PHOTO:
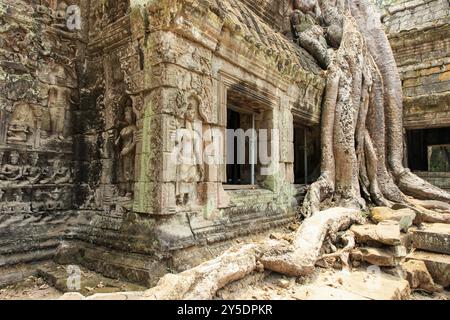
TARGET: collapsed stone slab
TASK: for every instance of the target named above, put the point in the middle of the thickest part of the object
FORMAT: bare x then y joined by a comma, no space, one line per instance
433,237
418,276
405,217
385,232
437,264
383,257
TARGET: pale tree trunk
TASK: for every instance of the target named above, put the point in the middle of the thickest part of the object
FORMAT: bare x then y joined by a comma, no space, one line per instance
364,97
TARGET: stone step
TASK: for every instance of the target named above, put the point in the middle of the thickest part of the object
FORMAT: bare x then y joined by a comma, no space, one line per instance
377,285
130,267
438,265
65,279
15,274
385,232
433,237
383,257
418,276
363,284
405,217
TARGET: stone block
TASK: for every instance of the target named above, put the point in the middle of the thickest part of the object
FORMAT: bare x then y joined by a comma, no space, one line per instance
437,264
64,278
386,232
376,286
405,217
356,285
418,276
433,237
383,257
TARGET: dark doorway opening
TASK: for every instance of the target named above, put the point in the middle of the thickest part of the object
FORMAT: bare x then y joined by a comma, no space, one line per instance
306,154
428,149
239,173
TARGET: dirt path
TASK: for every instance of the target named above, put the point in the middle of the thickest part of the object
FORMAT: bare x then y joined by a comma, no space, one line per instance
325,284
33,288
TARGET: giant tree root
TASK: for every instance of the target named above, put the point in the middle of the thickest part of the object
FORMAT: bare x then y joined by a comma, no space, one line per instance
300,257
429,216
431,205
203,281
294,259
343,254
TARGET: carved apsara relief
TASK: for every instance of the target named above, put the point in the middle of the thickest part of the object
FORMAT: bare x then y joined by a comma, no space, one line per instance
127,141
189,154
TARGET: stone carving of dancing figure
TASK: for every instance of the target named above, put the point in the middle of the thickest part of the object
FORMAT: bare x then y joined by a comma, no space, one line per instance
57,102
127,141
189,165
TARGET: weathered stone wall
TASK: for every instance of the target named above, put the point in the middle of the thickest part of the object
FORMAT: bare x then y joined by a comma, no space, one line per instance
108,137
88,116
38,92
69,132
200,63
161,68
440,179
419,32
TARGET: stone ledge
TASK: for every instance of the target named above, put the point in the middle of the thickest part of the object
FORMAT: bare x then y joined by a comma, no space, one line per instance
437,264
433,237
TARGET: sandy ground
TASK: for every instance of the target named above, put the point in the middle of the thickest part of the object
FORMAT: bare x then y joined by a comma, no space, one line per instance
326,284
32,288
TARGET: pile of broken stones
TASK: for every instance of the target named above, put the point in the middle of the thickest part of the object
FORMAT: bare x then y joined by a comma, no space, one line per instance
397,243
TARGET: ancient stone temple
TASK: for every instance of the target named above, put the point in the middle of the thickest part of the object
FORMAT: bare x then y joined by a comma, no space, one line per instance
419,33
99,100
93,94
